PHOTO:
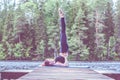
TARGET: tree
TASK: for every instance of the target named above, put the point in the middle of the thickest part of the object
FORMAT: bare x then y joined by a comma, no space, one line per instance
76,27
109,26
117,29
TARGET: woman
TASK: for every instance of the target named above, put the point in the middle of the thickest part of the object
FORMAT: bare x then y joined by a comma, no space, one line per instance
61,60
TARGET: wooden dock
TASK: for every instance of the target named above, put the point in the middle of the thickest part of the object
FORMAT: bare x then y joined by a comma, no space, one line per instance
59,73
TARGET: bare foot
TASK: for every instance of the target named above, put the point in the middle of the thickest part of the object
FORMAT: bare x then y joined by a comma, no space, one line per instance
61,14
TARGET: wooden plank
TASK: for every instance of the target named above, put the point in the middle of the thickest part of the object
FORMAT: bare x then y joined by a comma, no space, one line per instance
13,74
57,73
107,71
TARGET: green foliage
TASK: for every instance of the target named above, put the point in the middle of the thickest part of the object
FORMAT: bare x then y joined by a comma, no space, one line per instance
112,41
17,50
2,54
40,49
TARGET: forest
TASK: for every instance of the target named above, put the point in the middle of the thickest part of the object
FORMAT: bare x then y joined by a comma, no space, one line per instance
29,29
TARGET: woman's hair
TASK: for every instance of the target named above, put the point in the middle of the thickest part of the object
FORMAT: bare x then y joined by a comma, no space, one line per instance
48,63
60,59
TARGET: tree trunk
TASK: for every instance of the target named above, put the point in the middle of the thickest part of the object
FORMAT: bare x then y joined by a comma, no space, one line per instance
108,51
96,27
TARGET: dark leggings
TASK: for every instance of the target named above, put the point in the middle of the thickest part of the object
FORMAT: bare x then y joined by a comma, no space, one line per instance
63,37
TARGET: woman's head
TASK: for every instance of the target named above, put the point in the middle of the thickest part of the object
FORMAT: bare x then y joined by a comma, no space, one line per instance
48,62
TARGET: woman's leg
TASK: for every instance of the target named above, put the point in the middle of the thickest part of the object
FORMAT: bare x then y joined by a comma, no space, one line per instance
63,37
